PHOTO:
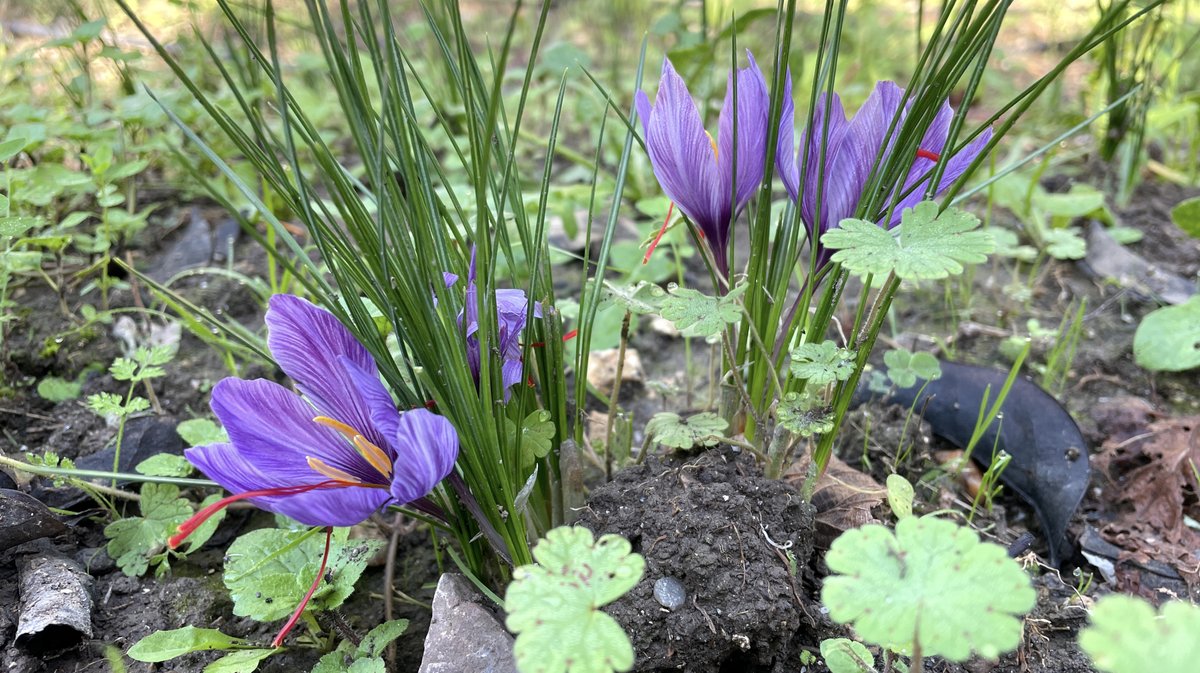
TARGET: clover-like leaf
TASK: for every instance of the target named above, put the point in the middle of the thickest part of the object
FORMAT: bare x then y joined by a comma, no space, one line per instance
1064,243
905,367
926,245
1126,636
1168,339
802,415
932,582
822,363
703,429
696,314
537,436
554,606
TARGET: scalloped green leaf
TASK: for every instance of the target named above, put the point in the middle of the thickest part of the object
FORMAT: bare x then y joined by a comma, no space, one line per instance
703,429
640,299
554,606
1126,636
802,415
1064,243
696,314
822,363
931,581
926,245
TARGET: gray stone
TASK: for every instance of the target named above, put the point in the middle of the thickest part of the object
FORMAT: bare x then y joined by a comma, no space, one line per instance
464,634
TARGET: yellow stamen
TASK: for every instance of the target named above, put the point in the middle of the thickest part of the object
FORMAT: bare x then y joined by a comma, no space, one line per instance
322,467
374,455
713,143
347,431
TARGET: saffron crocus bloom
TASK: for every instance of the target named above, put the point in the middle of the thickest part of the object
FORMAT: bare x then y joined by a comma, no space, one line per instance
331,455
511,310
696,172
850,151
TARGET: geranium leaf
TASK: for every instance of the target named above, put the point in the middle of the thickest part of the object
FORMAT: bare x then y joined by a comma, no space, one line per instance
1126,636
696,314
703,429
822,363
801,415
926,245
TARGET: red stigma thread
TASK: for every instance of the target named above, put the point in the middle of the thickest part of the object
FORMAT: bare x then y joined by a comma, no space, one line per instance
570,335
188,527
926,154
308,596
663,230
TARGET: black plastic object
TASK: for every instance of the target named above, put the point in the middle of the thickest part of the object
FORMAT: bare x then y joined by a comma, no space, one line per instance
1049,466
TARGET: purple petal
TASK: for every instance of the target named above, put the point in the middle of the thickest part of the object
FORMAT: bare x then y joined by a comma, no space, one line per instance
753,105
680,151
955,167
428,447
785,148
838,190
642,102
308,343
384,415
224,464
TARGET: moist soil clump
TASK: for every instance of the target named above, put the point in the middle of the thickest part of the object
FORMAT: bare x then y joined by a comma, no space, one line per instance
739,544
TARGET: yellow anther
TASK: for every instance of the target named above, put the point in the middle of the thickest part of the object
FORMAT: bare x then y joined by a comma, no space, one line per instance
713,143
321,467
347,431
374,455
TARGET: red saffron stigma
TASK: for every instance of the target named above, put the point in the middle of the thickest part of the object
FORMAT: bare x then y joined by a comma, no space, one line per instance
570,335
308,596
188,527
663,230
926,154
430,404
537,344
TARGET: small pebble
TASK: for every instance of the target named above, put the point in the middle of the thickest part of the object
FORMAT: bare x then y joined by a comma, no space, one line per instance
669,592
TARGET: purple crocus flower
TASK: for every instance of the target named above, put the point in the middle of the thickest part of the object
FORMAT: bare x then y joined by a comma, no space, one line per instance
333,454
850,151
511,311
696,172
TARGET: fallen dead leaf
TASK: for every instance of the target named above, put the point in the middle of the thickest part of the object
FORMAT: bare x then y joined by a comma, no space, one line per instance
844,497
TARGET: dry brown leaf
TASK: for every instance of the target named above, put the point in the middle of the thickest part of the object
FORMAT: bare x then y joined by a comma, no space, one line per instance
844,497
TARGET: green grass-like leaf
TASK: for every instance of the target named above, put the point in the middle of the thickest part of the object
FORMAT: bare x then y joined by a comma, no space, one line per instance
926,245
931,582
554,606
1126,636
703,429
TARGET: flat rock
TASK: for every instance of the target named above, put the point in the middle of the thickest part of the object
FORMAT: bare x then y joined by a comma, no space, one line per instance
602,369
464,634
1108,259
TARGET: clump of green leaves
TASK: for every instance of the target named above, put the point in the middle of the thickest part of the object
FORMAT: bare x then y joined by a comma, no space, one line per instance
1126,636
931,588
554,605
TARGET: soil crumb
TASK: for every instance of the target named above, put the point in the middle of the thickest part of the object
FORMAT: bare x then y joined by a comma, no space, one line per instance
738,543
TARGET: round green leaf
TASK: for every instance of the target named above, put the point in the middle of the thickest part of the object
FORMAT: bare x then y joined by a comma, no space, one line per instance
1186,216
933,582
1126,636
843,655
1169,339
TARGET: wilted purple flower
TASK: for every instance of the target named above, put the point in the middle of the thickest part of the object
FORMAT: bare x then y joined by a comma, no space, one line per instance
696,172
338,451
850,151
511,308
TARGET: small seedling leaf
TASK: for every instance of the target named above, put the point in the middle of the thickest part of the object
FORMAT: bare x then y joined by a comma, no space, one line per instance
165,465
1168,339
56,389
698,315
269,570
801,415
822,363
1064,243
378,638
1186,216
900,496
843,655
200,431
931,581
1008,244
554,605
164,645
241,661
905,367
926,245
703,429
1126,636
